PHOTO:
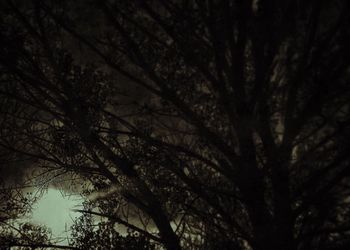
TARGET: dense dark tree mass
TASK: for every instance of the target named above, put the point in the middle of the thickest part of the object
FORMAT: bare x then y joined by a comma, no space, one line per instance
192,124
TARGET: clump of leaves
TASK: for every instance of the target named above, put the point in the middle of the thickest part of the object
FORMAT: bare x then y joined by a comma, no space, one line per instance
88,234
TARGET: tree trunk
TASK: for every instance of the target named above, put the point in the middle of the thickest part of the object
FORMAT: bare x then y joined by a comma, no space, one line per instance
283,216
167,234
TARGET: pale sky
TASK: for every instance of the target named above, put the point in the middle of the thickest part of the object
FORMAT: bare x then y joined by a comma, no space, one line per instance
53,210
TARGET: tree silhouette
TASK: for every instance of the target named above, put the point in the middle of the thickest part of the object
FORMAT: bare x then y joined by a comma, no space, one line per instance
198,124
87,236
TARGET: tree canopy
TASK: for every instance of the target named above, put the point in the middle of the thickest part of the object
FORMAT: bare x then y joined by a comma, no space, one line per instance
194,124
